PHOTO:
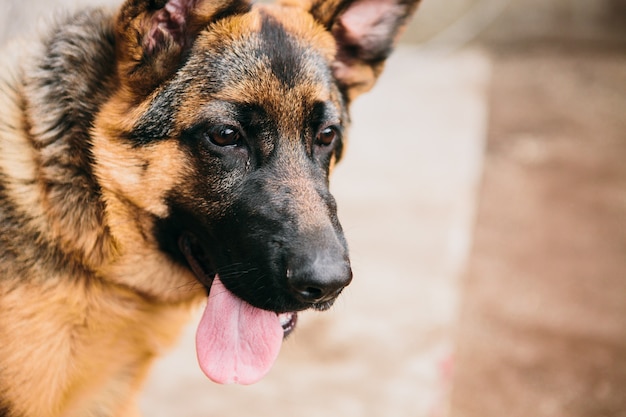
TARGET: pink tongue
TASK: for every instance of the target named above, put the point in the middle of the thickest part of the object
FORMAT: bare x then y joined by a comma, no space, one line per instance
236,342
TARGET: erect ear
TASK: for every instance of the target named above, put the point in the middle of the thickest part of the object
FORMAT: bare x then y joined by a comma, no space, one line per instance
366,32
153,35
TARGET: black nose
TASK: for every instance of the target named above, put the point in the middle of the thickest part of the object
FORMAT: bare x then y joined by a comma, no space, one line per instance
318,277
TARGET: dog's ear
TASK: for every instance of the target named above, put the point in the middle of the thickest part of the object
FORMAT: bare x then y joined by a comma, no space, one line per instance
153,35
365,31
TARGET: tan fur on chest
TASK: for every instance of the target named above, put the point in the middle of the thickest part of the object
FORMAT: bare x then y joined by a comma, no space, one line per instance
89,346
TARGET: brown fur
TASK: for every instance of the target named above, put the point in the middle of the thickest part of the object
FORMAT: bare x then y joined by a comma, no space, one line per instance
102,166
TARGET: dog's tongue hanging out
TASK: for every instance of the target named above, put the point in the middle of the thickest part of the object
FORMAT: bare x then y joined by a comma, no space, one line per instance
236,342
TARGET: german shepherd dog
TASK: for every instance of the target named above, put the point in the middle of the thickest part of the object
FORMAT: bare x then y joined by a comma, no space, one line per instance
166,151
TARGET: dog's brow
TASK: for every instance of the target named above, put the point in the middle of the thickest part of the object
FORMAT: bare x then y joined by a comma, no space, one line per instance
325,112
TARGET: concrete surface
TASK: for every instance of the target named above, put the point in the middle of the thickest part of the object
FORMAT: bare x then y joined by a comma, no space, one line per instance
542,329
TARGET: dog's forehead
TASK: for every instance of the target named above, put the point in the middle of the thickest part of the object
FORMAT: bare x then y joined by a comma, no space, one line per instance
284,37
275,57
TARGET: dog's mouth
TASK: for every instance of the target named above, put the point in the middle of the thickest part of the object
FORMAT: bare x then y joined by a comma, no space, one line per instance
202,267
235,341
197,259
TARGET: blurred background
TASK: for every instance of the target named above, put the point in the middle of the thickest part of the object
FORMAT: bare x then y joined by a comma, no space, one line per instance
484,198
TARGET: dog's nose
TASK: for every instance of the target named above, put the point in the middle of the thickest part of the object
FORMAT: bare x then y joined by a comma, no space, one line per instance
319,277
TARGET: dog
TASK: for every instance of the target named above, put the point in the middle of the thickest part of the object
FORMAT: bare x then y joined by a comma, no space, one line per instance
166,151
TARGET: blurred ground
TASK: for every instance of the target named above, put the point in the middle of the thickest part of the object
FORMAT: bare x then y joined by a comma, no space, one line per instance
543,323
520,106
542,329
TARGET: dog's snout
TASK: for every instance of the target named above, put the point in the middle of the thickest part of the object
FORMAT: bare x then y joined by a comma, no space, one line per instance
318,277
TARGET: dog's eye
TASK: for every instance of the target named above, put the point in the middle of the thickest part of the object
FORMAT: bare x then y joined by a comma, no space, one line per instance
224,136
327,136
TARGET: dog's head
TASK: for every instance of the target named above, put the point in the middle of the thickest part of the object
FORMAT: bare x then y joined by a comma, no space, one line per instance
216,147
